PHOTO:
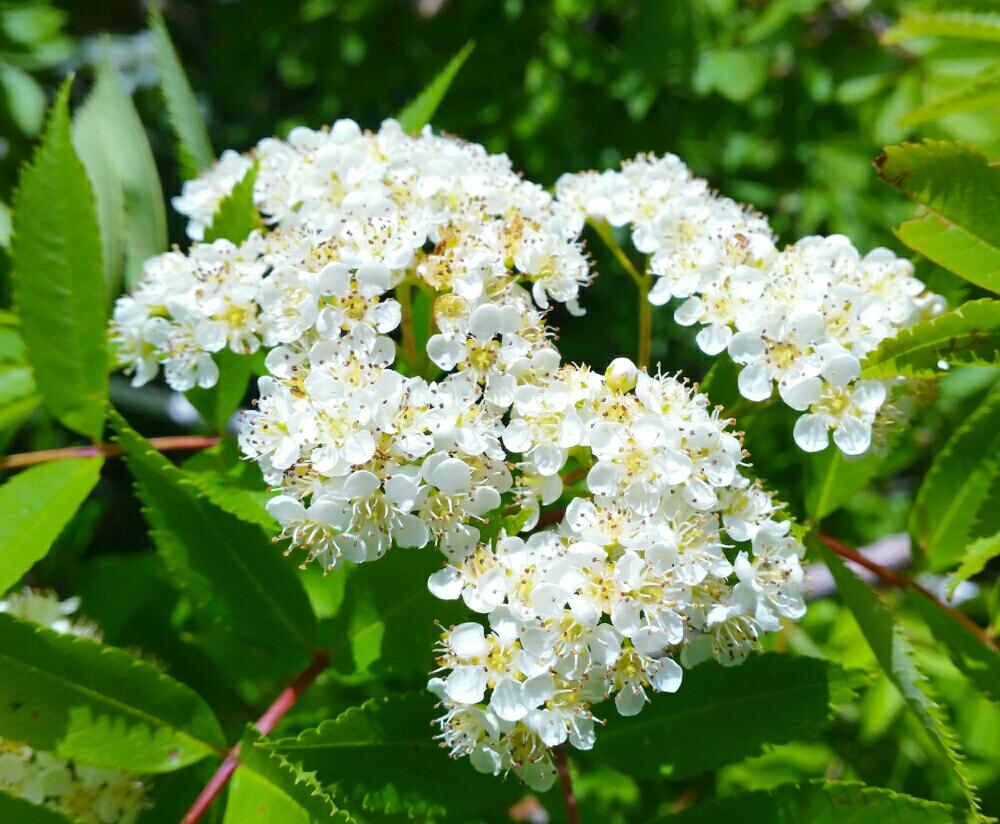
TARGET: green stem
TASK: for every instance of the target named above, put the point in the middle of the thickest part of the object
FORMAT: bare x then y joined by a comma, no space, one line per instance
406,324
606,234
645,323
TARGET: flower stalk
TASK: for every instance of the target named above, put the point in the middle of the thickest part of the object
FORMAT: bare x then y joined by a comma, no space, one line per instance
167,443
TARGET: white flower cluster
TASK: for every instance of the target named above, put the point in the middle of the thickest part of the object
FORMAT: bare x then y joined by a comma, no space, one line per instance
669,553
802,318
84,793
664,552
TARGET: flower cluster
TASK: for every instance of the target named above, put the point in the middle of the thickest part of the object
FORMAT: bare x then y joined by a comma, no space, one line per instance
802,318
602,524
668,553
85,793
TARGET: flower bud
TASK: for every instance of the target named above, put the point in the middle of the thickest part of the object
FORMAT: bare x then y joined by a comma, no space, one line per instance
621,374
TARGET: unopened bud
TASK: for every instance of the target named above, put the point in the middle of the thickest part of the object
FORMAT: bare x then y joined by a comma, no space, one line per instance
621,374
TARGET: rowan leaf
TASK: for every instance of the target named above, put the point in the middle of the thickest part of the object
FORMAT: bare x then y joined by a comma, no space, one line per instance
59,278
234,573
957,486
818,802
112,143
35,505
968,25
382,756
194,149
969,334
236,216
959,191
721,715
895,656
97,704
419,111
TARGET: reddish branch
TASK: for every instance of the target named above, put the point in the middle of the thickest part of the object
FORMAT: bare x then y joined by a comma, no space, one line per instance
566,783
267,722
893,578
169,443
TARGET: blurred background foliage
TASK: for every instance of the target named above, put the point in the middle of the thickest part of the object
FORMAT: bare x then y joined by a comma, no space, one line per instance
783,104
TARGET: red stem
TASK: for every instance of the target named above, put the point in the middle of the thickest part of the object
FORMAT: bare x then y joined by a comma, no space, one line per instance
168,443
267,722
566,783
893,578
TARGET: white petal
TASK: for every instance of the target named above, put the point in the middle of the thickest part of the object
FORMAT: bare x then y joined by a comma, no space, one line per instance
451,476
468,640
466,684
755,382
669,676
810,433
446,584
853,436
801,394
713,339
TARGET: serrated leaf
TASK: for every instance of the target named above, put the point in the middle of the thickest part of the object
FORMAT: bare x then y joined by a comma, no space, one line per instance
19,811
980,662
59,278
958,485
720,715
236,576
419,111
236,216
819,802
964,24
979,92
222,476
112,143
834,479
98,704
382,756
969,334
387,623
35,505
266,788
960,193
194,149
977,555
895,656
217,404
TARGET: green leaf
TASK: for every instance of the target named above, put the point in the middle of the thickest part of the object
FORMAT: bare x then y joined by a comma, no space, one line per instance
419,111
233,572
960,193
965,24
194,149
98,704
818,802
979,92
112,143
35,505
217,404
383,757
222,476
59,279
236,217
956,488
895,655
735,73
19,811
387,624
720,715
981,663
977,555
25,98
969,334
834,479
266,788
